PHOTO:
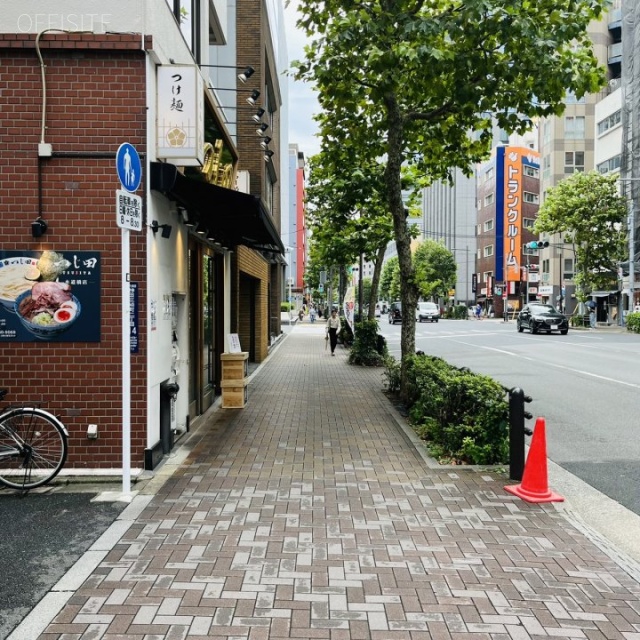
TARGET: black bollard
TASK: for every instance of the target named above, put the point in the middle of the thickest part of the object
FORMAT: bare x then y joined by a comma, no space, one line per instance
517,432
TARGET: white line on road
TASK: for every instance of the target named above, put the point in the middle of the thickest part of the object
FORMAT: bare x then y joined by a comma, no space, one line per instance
547,363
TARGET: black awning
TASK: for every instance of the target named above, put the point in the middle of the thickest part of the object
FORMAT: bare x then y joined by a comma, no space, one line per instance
231,216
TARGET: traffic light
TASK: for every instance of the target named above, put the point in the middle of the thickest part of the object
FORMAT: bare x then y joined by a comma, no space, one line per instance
537,244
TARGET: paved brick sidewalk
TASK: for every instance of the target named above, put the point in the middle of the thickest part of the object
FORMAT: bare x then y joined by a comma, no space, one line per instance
310,515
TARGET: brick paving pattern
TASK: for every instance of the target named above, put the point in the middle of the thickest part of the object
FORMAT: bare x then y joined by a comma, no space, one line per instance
309,514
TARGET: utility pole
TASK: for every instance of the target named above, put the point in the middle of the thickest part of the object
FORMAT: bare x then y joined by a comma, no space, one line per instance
632,251
361,288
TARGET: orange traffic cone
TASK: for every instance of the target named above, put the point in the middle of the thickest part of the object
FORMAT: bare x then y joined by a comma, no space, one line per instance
534,486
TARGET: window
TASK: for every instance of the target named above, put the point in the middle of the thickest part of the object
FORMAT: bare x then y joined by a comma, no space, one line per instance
546,166
532,198
574,127
488,199
528,223
487,275
488,251
532,172
568,271
488,225
545,266
546,132
610,165
570,98
609,122
573,161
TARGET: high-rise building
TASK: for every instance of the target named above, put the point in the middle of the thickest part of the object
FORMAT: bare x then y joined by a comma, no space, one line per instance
508,202
449,216
567,145
295,225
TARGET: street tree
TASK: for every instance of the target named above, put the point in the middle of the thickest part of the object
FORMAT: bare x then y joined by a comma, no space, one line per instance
390,280
587,209
348,214
435,269
425,81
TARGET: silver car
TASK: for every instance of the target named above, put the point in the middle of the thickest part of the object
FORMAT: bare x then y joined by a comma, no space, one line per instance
427,311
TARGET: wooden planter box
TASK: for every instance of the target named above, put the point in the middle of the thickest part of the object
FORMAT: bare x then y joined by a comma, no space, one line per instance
234,381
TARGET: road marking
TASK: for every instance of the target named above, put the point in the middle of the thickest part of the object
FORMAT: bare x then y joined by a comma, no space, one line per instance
551,364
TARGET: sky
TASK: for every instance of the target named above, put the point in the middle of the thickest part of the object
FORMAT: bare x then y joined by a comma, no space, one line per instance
302,101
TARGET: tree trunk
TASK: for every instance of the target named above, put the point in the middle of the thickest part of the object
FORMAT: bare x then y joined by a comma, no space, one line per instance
408,289
375,281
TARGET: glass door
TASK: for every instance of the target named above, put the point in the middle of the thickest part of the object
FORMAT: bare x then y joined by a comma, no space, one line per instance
205,322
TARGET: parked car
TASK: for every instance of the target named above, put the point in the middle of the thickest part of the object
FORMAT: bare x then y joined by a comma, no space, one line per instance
542,317
427,311
395,312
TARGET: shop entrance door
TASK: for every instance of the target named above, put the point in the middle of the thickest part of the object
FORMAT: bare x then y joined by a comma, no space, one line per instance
205,326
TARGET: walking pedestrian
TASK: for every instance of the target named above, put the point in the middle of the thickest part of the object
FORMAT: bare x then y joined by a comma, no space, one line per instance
333,326
478,311
591,305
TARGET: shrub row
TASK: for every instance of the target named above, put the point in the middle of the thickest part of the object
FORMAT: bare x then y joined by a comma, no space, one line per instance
369,348
459,312
462,416
633,322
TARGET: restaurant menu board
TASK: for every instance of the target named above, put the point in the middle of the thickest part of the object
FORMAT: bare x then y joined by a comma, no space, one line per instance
49,296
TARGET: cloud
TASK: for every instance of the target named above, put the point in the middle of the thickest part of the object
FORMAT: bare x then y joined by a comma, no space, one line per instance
303,102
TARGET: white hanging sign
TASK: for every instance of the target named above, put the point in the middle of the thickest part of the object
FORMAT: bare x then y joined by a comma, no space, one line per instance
180,121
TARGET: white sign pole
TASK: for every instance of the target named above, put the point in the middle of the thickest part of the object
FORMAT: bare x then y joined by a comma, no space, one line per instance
128,216
126,367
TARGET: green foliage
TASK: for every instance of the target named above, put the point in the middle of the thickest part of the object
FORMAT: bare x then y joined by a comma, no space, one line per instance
589,210
345,336
369,348
435,269
390,280
286,306
392,374
463,416
425,83
579,319
458,312
633,322
346,210
366,290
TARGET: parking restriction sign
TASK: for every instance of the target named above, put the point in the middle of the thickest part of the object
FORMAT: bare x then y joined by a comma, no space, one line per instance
128,210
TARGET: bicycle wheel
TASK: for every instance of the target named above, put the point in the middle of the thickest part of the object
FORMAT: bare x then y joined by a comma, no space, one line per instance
33,448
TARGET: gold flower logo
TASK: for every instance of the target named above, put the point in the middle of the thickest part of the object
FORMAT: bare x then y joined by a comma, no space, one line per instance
176,137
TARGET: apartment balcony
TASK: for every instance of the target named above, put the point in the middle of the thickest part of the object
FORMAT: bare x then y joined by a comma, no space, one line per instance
614,53
614,19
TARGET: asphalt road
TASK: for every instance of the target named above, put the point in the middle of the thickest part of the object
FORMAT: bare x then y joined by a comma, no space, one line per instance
584,384
41,537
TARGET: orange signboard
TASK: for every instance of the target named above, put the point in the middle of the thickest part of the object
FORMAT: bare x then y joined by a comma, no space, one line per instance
513,212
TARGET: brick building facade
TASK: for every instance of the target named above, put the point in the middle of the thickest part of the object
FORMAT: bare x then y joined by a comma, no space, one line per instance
204,263
96,98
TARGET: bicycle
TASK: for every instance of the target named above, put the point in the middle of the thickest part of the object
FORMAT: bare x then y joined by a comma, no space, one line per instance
33,446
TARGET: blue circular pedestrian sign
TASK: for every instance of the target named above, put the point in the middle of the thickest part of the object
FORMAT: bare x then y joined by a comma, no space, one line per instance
129,167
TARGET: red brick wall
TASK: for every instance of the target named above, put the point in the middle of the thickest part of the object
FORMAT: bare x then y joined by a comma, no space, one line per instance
95,101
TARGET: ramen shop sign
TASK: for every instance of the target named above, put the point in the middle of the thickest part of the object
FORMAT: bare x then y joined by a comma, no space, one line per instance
180,115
